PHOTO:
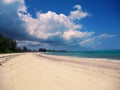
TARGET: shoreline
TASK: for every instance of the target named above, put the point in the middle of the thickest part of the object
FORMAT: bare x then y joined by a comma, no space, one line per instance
78,57
84,61
87,54
36,71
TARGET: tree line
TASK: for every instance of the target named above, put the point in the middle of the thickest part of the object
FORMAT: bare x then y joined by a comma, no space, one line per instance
8,45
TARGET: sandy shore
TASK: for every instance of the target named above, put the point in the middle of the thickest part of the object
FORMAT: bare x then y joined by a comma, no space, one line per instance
34,71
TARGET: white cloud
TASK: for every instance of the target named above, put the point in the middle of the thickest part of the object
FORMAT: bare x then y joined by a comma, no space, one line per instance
8,1
12,1
49,26
78,7
78,14
76,34
10,23
87,41
103,36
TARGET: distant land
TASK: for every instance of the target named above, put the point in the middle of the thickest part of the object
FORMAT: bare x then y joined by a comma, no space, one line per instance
8,45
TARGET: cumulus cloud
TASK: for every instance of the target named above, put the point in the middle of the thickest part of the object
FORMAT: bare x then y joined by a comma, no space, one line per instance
10,23
78,13
49,29
50,26
76,34
78,7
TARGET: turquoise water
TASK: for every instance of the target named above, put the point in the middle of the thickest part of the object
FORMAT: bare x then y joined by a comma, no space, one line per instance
110,54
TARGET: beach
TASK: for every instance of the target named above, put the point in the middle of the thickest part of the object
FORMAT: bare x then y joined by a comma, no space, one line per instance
38,71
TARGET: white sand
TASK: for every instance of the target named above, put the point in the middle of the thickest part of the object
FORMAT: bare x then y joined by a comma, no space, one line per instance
33,71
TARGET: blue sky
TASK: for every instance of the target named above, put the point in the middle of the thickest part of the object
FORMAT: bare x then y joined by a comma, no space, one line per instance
62,24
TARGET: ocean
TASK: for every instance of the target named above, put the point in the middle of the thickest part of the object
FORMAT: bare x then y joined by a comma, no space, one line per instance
109,54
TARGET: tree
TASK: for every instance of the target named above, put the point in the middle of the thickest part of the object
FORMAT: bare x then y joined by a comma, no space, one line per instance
42,50
7,44
25,49
14,45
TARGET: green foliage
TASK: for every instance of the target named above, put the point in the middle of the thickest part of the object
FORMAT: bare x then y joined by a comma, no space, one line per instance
7,45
